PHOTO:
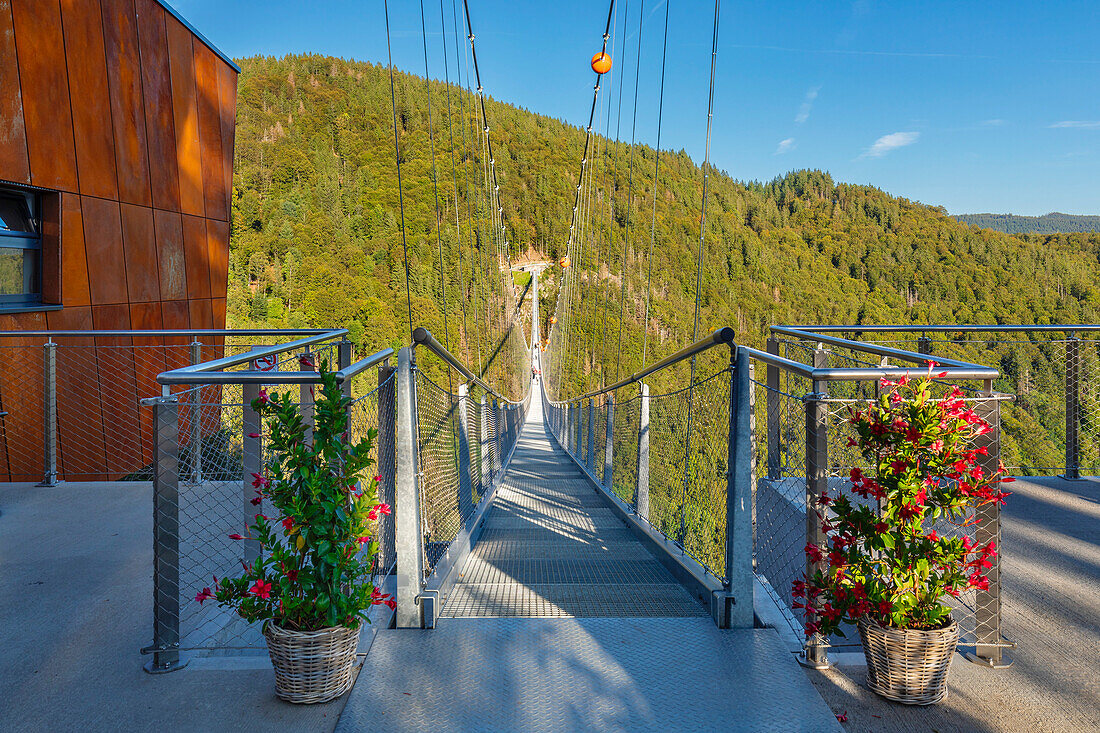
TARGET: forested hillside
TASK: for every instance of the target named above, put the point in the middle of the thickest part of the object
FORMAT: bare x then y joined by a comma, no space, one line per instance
317,238
1053,223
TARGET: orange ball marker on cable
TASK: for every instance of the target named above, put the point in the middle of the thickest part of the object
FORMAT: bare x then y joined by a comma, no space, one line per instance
601,62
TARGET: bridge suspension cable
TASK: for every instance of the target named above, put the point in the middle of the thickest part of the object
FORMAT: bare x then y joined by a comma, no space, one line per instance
397,156
656,182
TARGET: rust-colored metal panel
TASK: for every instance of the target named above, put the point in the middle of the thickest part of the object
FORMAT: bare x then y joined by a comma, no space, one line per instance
118,391
105,253
74,264
217,306
149,361
156,82
14,165
120,40
81,443
170,257
196,254
176,316
217,242
210,131
186,114
139,243
51,248
87,66
227,96
201,315
44,84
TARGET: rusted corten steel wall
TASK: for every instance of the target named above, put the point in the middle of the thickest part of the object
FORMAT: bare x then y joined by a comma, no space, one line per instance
123,110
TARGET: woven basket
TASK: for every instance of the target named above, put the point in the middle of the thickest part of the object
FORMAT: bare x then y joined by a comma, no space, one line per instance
312,666
908,665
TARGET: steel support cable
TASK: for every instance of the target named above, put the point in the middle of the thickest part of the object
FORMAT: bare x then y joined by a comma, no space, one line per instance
397,155
656,181
435,188
630,192
454,176
590,224
699,270
468,150
611,207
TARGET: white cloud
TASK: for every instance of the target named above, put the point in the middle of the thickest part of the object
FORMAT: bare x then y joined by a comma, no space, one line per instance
993,123
807,105
1079,124
785,146
886,143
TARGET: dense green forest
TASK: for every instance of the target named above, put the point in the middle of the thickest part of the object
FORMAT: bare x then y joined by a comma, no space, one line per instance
317,239
1052,223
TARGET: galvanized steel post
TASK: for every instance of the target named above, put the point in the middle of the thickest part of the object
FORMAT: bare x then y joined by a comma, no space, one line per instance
465,486
590,456
609,442
817,483
252,463
641,490
486,468
344,356
196,417
774,416
387,458
409,541
988,647
740,477
578,451
166,540
49,413
307,394
1073,408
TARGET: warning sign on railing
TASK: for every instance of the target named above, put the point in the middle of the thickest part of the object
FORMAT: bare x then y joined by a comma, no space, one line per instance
265,363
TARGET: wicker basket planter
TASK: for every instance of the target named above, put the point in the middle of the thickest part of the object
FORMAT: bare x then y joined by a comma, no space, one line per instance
312,666
908,665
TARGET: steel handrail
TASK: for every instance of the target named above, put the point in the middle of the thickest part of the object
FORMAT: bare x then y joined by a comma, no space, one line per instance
724,335
260,377
423,337
140,333
1012,328
200,373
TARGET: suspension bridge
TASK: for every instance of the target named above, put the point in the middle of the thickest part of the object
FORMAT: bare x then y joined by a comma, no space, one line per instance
594,528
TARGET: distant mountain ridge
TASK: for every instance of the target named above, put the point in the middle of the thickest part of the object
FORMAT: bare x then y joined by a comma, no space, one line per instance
1052,223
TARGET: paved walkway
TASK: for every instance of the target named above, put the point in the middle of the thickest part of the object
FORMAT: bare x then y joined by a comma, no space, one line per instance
562,620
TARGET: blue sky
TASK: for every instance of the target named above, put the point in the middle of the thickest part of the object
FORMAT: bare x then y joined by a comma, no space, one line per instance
974,106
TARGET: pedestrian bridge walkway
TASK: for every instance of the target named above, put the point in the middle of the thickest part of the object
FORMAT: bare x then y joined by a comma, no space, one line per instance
563,620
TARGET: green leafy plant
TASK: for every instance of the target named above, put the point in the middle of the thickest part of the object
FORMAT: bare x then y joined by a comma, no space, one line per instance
317,557
878,558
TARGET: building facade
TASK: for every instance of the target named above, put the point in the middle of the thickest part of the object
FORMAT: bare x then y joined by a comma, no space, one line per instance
116,162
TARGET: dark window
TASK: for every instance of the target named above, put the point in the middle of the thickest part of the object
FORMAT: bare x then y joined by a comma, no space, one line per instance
20,248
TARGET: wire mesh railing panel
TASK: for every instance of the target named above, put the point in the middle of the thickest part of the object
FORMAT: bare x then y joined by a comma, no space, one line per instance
443,509
21,413
624,455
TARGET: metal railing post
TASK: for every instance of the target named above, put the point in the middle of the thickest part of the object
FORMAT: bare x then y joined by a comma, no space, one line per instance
578,445
988,648
1073,408
774,417
307,396
641,490
196,417
409,538
252,460
49,413
740,477
387,458
465,486
498,461
166,540
609,442
345,355
924,345
486,469
817,483
590,456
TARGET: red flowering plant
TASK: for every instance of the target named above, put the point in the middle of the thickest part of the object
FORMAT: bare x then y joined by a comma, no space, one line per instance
880,558
316,558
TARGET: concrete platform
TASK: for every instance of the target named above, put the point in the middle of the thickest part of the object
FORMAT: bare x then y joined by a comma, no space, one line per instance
582,674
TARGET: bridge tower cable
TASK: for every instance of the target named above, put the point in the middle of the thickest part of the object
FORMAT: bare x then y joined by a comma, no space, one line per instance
629,193
699,272
435,189
397,156
656,182
454,180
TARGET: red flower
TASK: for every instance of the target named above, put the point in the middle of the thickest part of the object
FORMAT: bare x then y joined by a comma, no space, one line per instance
385,509
263,398
204,595
813,552
257,500
259,481
307,361
909,511
377,479
363,540
292,575
260,589
885,608
236,537
391,603
933,537
253,435
288,525
881,527
842,717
